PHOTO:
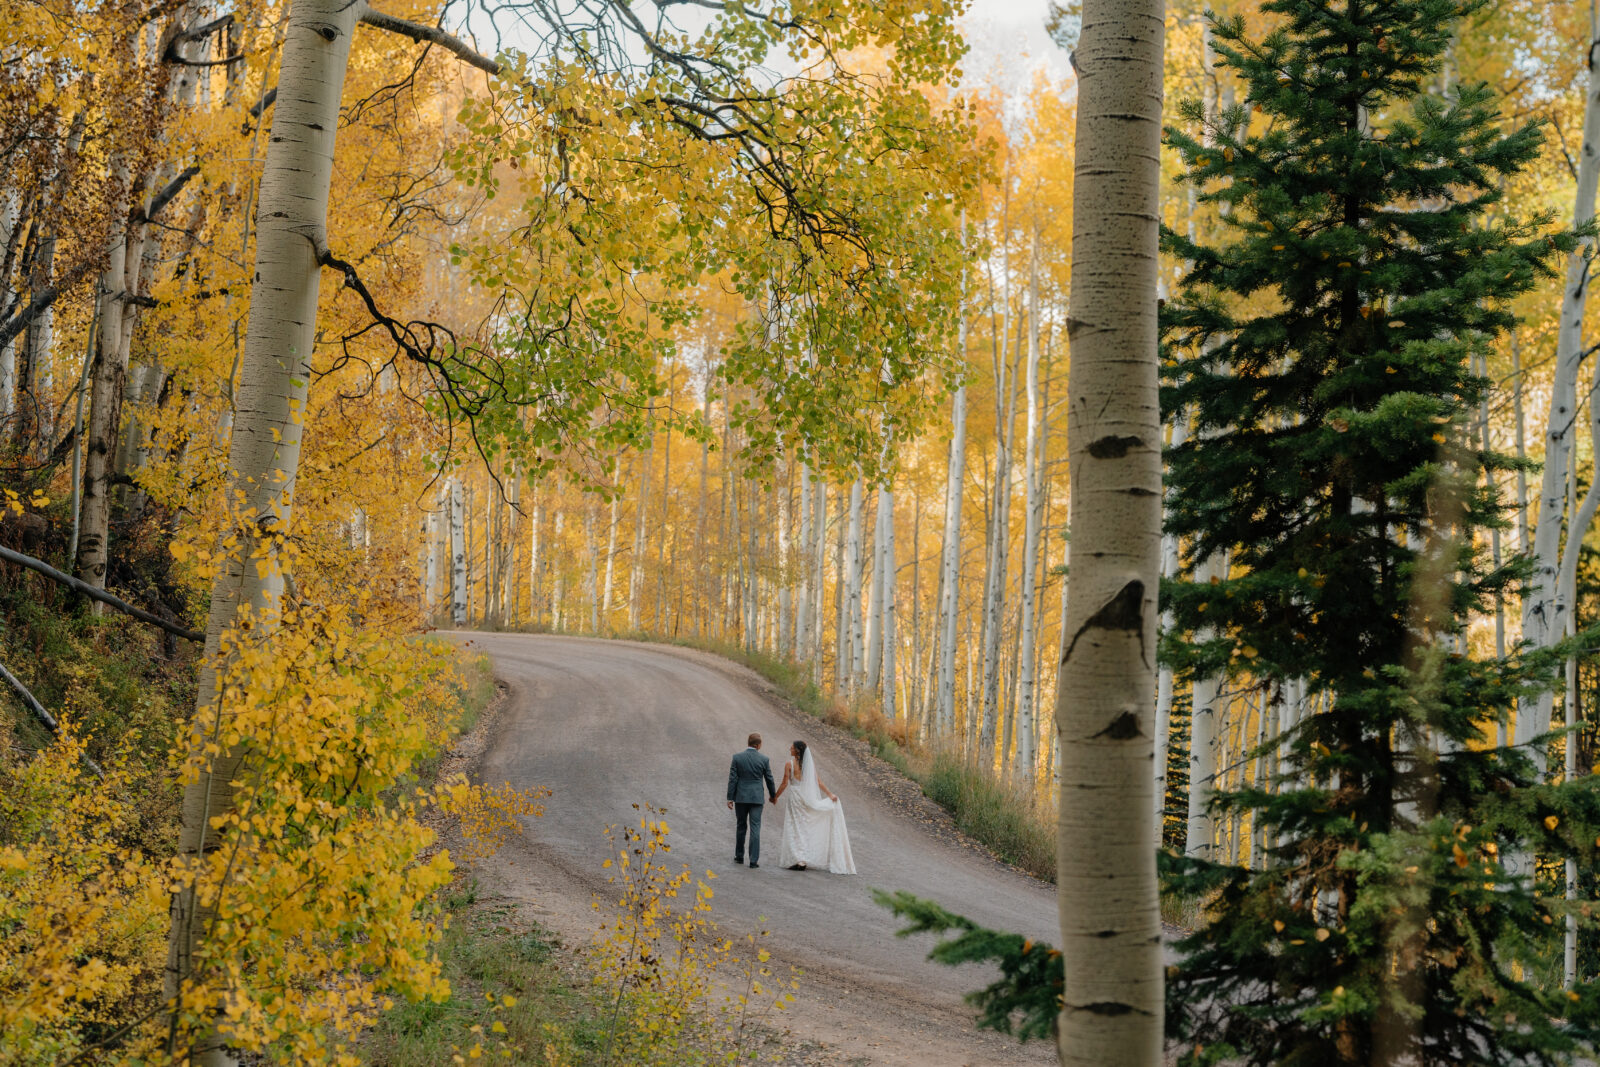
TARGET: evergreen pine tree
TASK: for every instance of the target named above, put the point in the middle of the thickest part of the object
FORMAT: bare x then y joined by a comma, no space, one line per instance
1323,349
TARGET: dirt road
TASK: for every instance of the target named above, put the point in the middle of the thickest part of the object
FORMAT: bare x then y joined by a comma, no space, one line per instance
609,724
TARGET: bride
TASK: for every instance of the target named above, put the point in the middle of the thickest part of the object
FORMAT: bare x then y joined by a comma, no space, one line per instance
813,828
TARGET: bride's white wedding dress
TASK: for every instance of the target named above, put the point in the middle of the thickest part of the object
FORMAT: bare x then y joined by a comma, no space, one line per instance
813,826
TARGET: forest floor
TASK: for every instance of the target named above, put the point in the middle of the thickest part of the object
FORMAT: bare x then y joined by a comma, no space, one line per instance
608,725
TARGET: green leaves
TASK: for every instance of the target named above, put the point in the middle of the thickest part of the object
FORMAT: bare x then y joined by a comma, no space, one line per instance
1322,346
826,205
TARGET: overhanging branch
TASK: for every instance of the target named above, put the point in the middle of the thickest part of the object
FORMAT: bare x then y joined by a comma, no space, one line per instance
418,31
101,595
44,716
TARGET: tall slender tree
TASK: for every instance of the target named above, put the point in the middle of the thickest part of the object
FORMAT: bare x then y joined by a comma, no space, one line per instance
1105,700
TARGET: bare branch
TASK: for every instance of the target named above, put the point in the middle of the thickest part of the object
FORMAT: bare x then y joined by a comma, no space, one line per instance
101,595
42,715
432,34
167,193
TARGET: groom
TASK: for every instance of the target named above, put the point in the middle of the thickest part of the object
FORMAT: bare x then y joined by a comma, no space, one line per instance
750,768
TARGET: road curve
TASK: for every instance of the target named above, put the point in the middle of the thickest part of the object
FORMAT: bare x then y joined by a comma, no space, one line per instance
610,724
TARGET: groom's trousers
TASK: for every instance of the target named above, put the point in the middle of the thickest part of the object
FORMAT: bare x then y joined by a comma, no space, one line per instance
747,815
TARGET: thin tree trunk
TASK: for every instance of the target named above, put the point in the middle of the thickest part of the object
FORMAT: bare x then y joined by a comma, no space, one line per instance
1112,1008
264,451
950,555
851,627
819,572
1542,610
1032,520
872,675
886,601
636,576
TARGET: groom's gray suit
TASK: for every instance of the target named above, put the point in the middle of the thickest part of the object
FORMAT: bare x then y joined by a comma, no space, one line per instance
746,776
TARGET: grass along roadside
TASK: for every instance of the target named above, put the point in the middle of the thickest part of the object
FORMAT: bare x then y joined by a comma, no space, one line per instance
658,987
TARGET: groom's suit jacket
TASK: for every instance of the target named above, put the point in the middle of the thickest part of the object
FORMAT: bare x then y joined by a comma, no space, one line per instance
746,776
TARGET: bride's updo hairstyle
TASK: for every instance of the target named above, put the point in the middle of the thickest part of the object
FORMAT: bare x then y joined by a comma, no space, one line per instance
800,755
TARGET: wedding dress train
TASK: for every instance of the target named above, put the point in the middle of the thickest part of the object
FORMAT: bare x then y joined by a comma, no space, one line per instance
814,833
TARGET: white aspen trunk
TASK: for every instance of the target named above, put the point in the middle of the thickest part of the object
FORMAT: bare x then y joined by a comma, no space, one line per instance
819,572
1204,737
841,601
430,570
802,604
508,563
950,556
1033,507
558,581
611,546
592,572
781,641
10,237
264,449
886,601
535,560
108,378
873,674
1520,423
636,576
851,628
1542,610
458,555
1112,1004
999,563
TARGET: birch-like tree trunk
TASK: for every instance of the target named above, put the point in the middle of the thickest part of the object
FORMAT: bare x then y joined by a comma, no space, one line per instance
856,579
430,570
802,604
611,547
819,572
950,556
1112,1006
11,237
781,639
885,581
636,575
1204,719
558,579
1543,612
1033,519
994,585
458,555
264,451
873,672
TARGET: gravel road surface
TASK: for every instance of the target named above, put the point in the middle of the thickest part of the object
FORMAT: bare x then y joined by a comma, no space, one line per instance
610,724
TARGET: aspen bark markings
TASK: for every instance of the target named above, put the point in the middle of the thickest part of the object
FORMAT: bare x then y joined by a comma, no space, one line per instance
1110,927
264,450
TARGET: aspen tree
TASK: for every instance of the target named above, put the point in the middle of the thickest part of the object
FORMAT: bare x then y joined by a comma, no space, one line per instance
950,553
1033,516
1110,927
885,580
1542,609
